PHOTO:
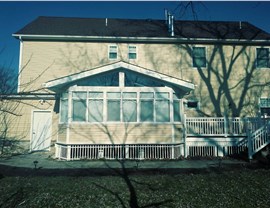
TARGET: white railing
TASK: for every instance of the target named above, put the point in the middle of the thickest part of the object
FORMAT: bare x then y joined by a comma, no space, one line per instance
119,151
220,126
258,140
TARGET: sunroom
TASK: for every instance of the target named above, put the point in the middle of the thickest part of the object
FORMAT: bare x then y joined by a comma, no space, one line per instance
120,111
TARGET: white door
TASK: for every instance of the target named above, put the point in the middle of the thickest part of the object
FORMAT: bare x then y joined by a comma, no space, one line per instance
41,130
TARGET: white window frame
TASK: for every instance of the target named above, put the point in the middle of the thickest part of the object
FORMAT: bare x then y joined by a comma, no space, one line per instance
130,51
265,98
192,57
264,106
122,90
112,50
258,67
86,106
60,107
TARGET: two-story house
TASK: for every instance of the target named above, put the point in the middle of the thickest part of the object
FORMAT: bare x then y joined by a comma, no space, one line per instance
123,88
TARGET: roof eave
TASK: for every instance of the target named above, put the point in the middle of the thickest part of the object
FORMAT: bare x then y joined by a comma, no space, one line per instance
137,39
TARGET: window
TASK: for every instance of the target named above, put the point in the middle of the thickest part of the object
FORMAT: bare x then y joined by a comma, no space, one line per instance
162,107
132,52
64,108
95,107
111,105
130,106
265,106
113,52
147,106
176,109
79,106
192,104
199,57
262,60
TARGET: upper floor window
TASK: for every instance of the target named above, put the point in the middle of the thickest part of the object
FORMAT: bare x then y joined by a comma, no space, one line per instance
199,57
113,51
262,59
265,106
132,52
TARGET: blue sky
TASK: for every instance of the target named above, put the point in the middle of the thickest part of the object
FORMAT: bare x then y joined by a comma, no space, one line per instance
15,15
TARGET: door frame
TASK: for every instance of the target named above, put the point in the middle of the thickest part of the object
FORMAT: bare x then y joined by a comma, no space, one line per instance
32,128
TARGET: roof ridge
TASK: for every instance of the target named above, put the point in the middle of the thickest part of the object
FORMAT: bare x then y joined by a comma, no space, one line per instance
101,18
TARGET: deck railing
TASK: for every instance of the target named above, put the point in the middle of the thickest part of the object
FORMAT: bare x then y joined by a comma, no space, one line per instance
221,126
119,151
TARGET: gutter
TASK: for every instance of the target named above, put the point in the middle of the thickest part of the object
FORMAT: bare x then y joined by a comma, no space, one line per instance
138,39
33,96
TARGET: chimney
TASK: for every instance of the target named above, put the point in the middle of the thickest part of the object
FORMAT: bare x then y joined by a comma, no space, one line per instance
166,16
172,25
170,22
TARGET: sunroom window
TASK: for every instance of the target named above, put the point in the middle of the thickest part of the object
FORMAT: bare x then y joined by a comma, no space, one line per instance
125,105
113,106
64,108
95,107
162,107
147,106
79,106
129,106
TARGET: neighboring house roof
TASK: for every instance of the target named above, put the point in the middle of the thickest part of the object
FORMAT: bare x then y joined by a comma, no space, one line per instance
136,28
57,84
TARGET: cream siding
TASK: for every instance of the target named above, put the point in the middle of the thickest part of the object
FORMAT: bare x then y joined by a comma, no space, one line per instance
122,134
20,121
43,61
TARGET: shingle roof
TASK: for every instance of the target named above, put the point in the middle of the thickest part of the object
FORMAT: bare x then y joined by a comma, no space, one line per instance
67,26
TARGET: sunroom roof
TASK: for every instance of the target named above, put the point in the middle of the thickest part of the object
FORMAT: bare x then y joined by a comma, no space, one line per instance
58,84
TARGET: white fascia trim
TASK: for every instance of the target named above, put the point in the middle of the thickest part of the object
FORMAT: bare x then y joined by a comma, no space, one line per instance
117,65
159,76
20,65
28,97
135,39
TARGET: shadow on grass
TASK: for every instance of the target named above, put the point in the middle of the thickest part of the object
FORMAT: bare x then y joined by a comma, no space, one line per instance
11,171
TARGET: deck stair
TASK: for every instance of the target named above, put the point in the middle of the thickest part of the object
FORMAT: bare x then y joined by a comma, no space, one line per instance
258,139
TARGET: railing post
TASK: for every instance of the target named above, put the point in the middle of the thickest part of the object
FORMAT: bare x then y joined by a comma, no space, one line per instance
126,151
225,126
185,135
57,155
250,149
68,152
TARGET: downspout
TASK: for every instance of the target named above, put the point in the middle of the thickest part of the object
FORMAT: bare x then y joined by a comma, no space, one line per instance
20,64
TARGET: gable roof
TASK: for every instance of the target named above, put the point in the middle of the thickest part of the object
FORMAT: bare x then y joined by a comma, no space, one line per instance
180,84
136,28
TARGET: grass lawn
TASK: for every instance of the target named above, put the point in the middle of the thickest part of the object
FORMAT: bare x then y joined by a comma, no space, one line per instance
237,188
